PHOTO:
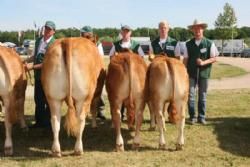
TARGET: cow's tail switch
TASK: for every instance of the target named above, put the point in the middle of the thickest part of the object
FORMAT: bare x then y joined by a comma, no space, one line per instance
71,122
173,114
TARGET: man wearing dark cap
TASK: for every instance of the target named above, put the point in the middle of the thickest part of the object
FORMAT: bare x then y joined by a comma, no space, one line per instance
42,112
126,42
87,32
199,54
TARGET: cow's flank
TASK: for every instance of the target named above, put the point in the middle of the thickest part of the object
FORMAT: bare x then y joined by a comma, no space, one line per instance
12,91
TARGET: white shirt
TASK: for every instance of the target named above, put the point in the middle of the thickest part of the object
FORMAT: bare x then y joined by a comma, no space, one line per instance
100,49
213,50
43,45
126,45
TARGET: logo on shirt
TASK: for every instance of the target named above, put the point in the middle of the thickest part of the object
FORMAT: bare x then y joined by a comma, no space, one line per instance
170,47
203,50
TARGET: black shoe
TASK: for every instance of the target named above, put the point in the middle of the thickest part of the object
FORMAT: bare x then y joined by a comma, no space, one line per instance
101,115
35,126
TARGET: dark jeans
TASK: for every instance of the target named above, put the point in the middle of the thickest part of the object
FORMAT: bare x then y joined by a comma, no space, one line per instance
42,111
202,94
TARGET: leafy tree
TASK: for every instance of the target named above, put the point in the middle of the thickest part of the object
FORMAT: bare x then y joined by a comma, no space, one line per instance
225,25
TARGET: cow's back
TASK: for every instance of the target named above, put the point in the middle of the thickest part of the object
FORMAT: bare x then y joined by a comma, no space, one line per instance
166,75
126,74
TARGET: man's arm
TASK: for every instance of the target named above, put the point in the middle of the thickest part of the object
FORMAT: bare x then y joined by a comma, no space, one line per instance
140,51
213,54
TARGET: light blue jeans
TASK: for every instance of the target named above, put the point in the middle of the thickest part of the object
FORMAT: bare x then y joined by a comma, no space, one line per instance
202,96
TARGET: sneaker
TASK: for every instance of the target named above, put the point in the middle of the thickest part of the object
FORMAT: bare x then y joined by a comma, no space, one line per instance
202,121
192,121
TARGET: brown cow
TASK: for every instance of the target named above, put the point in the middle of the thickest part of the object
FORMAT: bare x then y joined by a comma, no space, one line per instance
125,83
12,91
167,82
70,73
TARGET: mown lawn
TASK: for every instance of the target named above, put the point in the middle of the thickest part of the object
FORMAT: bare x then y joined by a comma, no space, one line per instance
224,141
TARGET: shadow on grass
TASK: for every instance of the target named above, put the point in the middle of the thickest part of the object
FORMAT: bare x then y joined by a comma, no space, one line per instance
233,134
36,143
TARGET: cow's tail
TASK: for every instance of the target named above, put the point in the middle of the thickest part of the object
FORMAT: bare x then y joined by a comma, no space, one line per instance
173,115
71,122
131,115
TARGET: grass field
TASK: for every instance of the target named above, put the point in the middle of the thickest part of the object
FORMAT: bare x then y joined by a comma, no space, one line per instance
224,141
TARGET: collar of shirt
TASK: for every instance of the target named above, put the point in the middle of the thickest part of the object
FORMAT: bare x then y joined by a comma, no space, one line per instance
126,44
48,40
43,45
197,42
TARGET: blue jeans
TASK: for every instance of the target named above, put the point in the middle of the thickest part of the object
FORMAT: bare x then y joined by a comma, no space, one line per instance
202,96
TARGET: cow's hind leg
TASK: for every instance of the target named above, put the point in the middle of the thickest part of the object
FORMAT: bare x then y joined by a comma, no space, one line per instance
21,114
82,109
8,146
158,109
116,118
152,118
55,108
139,116
181,107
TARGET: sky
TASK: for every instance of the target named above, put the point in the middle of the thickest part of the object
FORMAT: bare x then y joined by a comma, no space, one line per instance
19,15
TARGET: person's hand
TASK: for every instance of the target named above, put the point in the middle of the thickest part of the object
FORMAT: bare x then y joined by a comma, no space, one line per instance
199,62
28,66
151,57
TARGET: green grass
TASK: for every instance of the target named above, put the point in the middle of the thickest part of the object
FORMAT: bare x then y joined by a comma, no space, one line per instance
224,141
220,70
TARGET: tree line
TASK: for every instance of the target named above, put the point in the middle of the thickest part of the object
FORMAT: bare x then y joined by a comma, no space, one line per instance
111,34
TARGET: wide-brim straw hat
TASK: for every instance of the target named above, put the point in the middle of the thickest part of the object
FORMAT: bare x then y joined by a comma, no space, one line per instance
197,23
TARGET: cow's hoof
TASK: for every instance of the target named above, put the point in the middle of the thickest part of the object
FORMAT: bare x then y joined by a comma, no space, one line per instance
25,129
162,146
136,146
179,147
8,151
131,128
56,154
152,128
78,153
119,148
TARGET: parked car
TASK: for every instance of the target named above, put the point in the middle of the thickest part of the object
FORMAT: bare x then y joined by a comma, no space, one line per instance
9,44
21,50
246,53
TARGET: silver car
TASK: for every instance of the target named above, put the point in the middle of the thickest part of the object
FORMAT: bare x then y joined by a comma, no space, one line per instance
246,53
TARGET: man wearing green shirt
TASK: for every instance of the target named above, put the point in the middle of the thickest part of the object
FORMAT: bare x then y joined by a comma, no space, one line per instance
42,111
126,42
164,43
199,54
